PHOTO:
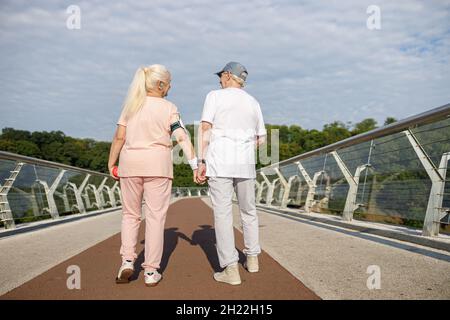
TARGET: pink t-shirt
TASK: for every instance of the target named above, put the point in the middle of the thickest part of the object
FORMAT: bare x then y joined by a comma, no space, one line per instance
147,151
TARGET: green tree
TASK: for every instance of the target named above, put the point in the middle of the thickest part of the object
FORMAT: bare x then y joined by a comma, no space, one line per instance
25,148
44,138
389,120
14,135
335,131
364,126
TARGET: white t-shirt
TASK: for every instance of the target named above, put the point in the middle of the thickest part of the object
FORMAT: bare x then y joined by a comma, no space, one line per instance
236,120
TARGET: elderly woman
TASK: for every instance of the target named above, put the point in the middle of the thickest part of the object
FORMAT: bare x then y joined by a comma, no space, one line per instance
143,144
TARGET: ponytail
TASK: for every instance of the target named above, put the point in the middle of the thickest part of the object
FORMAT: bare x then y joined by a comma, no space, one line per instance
136,94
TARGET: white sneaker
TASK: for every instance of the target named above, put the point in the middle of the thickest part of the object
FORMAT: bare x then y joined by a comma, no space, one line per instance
125,272
152,278
252,264
230,275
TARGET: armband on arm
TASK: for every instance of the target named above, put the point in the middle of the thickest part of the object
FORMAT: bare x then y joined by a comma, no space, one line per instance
178,124
174,126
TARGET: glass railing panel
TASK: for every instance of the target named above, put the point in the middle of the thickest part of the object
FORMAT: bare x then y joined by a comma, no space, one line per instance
397,187
332,188
298,188
6,166
313,164
355,155
434,138
27,197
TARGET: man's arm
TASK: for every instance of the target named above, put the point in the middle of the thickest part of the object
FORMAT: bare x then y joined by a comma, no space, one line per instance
205,134
261,132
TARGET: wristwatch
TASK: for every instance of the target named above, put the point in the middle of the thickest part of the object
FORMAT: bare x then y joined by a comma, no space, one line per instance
199,161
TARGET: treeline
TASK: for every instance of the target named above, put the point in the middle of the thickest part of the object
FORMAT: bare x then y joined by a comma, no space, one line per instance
90,154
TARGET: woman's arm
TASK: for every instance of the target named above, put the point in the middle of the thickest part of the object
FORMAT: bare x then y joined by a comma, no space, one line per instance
116,146
188,150
185,144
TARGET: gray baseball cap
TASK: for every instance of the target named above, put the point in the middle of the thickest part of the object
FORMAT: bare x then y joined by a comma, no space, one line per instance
235,68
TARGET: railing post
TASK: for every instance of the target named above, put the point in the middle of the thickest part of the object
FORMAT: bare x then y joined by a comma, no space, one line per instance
100,192
291,179
298,196
437,176
49,193
353,182
64,197
78,192
112,197
326,199
86,197
116,187
270,187
5,210
259,192
98,201
287,189
312,184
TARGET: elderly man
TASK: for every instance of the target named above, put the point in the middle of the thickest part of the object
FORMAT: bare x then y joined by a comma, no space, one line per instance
232,126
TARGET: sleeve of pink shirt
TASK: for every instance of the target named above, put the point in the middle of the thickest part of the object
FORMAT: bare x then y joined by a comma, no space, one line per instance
174,116
122,121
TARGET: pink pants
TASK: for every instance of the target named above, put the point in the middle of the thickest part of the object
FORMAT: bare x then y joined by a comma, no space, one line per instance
156,192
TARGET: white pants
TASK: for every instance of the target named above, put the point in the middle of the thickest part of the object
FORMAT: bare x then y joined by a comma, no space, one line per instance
221,192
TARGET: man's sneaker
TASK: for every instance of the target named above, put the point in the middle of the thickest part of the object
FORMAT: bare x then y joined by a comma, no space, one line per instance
152,278
230,275
125,272
252,264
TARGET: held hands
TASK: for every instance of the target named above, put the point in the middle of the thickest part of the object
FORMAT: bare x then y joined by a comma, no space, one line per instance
198,169
200,174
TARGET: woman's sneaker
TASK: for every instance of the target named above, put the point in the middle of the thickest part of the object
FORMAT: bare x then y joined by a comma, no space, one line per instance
152,278
125,272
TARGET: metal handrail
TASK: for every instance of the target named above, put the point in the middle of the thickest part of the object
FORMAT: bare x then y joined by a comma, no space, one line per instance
31,160
421,118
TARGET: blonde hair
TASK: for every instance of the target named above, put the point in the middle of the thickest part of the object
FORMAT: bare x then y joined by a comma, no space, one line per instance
145,78
240,81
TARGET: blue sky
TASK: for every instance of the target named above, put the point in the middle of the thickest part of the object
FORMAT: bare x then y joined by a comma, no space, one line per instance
309,62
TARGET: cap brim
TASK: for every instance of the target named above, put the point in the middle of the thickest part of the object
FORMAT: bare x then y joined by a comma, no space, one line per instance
219,73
